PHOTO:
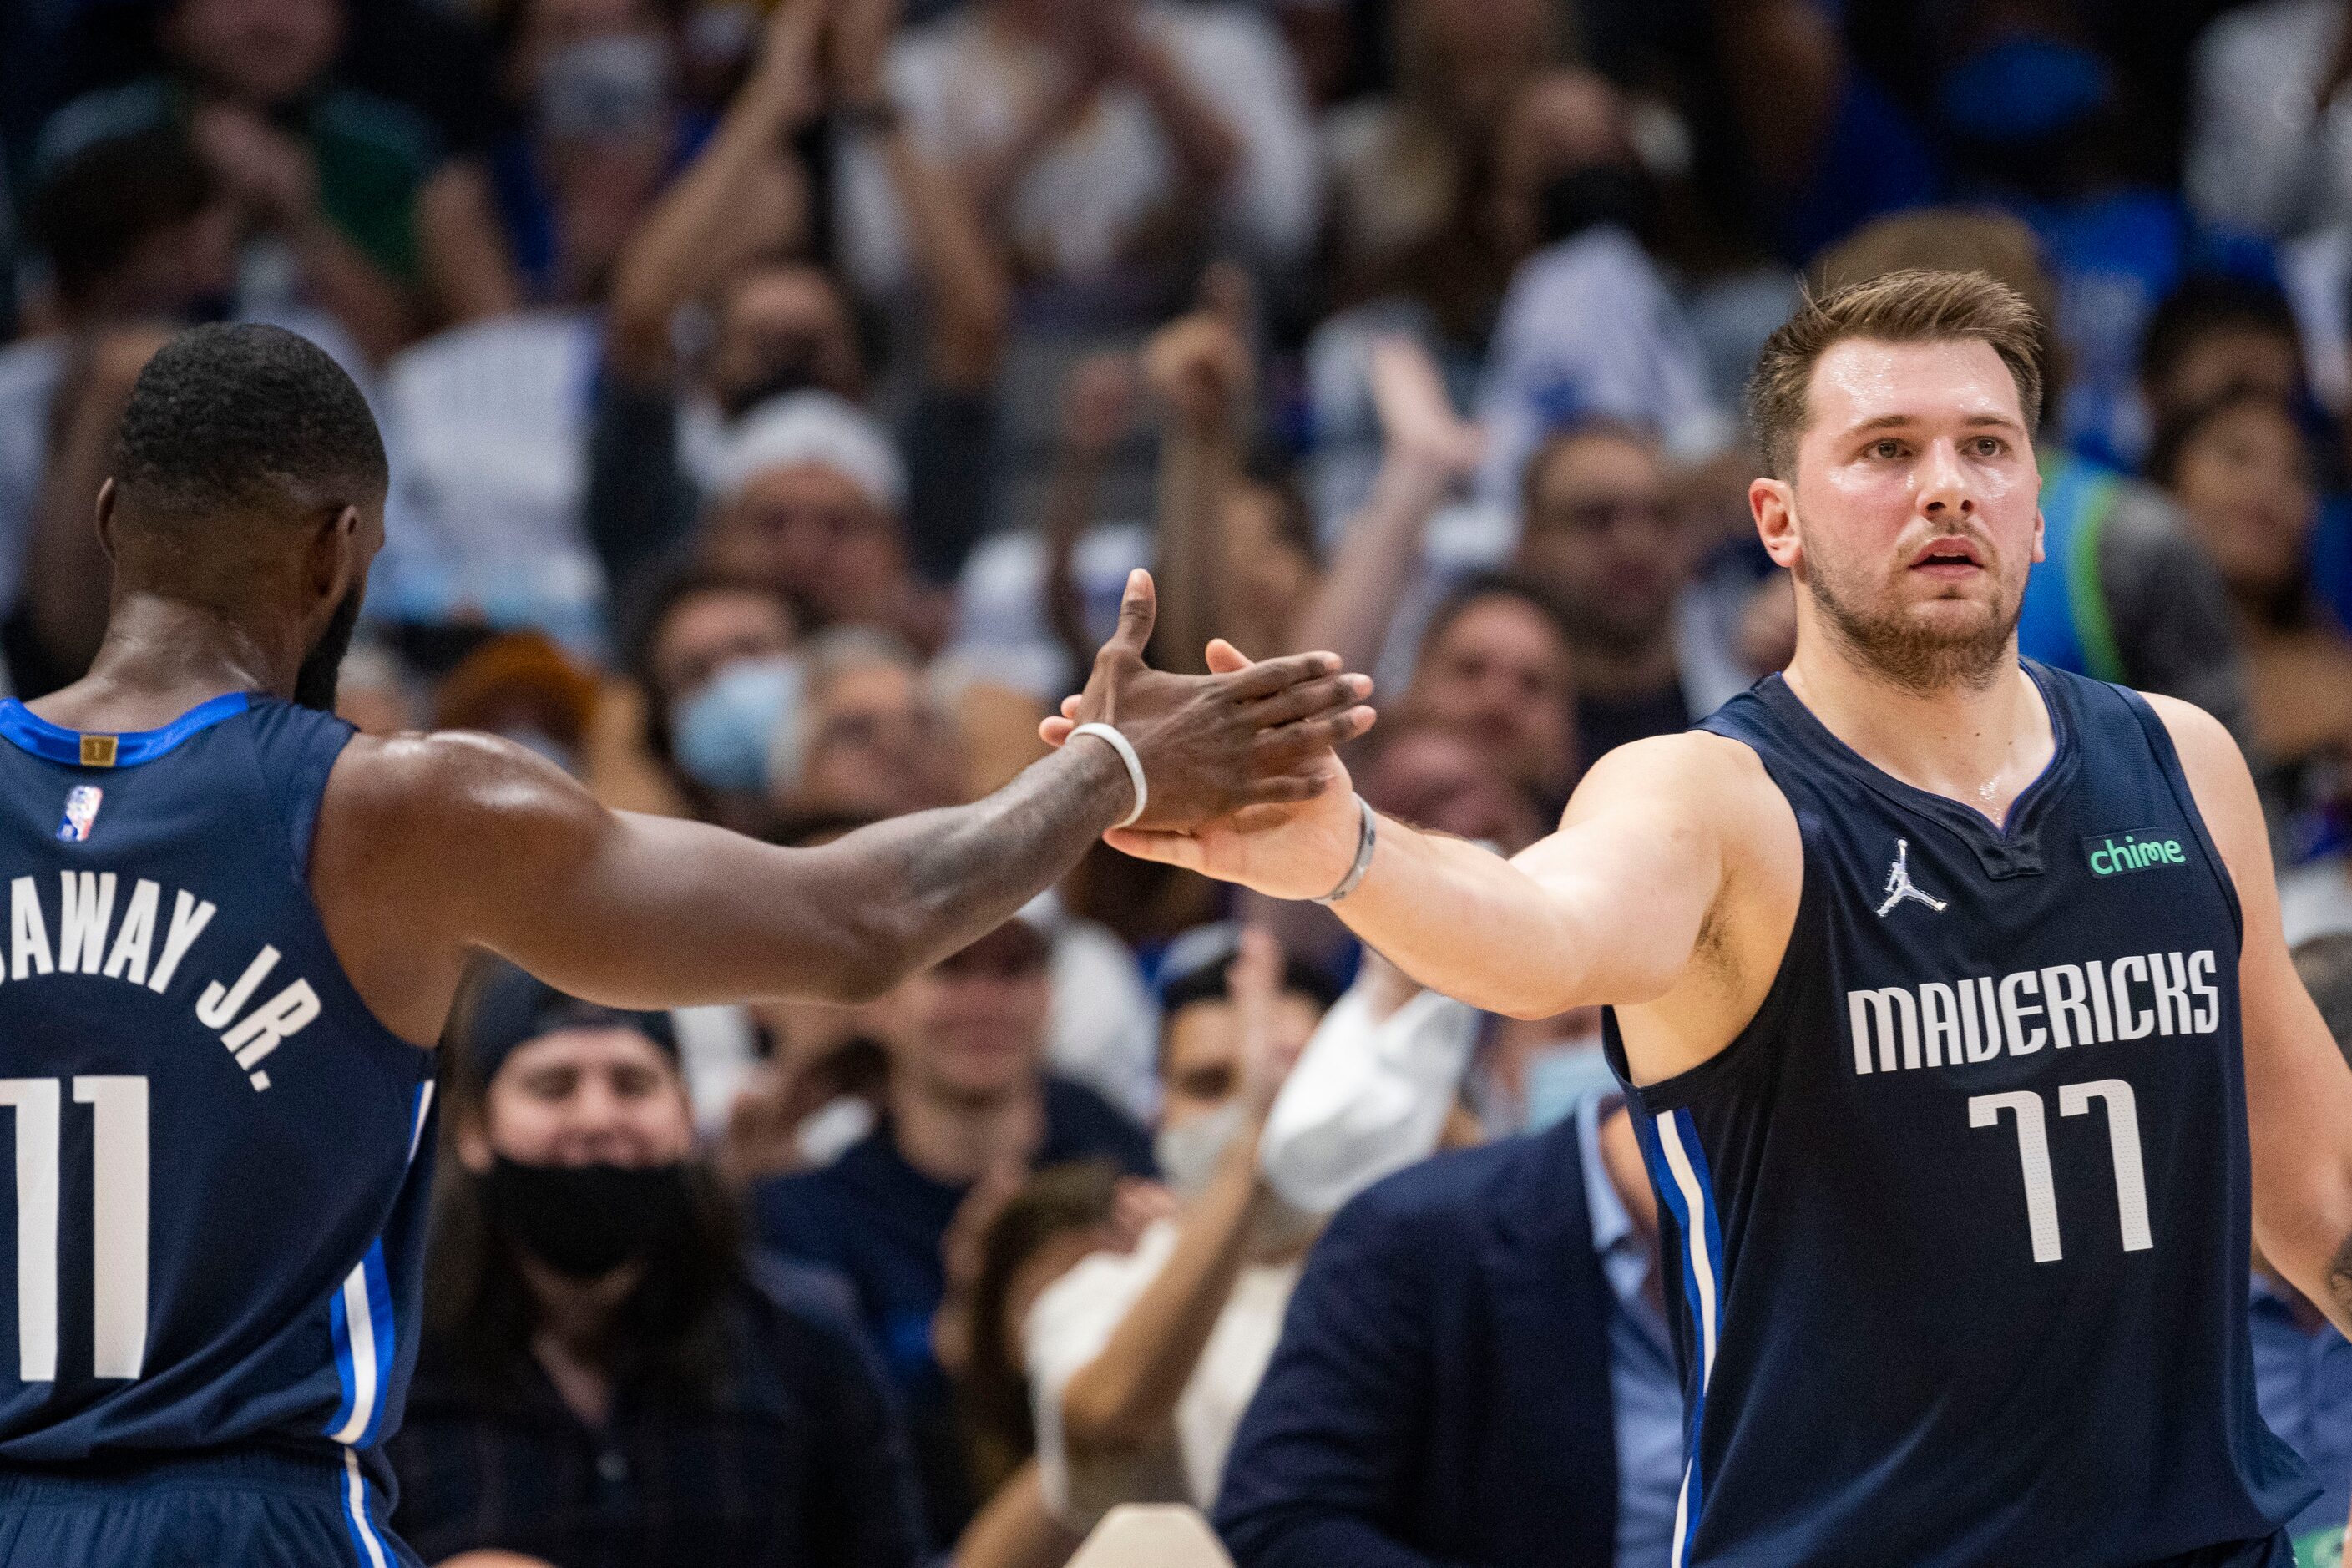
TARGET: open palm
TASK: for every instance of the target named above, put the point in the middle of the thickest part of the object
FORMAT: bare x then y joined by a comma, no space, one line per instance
1284,850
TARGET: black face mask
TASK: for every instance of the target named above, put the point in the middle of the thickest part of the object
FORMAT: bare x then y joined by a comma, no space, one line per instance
584,1221
1598,194
314,683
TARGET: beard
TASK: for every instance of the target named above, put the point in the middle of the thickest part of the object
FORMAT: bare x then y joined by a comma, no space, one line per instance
1888,639
314,683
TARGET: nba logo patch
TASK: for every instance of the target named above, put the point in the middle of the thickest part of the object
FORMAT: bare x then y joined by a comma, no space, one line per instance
81,810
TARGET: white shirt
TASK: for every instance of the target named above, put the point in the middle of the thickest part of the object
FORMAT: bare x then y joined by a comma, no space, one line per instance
967,90
2264,155
1589,327
2316,900
1068,1328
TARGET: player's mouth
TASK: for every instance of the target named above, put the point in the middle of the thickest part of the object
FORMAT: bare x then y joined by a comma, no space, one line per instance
1951,558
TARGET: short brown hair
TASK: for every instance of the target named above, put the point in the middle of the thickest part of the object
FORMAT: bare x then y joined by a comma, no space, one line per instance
1913,305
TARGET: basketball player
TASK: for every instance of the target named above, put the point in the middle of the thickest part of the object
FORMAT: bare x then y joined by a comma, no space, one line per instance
1948,988
234,929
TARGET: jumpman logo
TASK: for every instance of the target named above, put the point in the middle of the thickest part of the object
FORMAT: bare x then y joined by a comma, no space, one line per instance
1899,885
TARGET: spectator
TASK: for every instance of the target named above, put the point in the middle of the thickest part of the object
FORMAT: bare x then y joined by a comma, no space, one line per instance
2123,593
1059,1217
712,665
1496,668
968,1099
605,1377
362,211
871,738
1601,533
2218,334
2302,1373
810,500
1412,172
2242,471
1588,326
132,229
1106,141
1474,1369
1425,771
2047,127
724,235
1235,551
1830,148
1140,1364
595,84
2270,122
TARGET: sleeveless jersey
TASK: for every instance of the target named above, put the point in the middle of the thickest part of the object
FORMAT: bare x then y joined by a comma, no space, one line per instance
214,1160
1959,1221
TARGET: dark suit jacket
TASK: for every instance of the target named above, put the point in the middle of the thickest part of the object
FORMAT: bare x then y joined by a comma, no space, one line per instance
1441,1393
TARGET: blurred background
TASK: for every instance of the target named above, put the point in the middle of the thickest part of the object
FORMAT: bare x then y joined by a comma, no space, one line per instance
778,395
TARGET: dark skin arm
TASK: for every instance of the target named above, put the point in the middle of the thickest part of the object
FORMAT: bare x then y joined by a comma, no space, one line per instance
430,847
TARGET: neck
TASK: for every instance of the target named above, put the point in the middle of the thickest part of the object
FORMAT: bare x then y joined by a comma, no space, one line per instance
1618,672
958,1140
574,1315
572,1332
171,654
1977,744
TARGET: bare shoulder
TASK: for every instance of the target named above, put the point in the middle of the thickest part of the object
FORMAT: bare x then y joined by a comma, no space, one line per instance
1693,771
2223,788
2209,757
435,823
451,780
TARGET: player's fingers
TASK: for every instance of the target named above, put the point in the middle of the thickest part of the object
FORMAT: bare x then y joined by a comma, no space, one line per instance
1312,737
1286,789
1071,704
1270,676
1312,698
1168,848
1137,607
1224,658
1054,731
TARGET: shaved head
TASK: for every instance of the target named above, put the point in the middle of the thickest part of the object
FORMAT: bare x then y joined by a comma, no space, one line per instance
235,421
244,452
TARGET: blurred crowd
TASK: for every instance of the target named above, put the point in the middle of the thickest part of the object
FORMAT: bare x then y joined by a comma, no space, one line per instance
778,396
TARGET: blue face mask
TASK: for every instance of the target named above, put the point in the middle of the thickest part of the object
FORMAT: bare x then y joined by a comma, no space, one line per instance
2022,89
725,734
1558,1077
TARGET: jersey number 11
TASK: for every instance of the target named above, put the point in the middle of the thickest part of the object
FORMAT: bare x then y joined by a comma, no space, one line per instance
118,1222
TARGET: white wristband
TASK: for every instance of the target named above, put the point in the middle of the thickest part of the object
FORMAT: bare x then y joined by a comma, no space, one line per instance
1126,750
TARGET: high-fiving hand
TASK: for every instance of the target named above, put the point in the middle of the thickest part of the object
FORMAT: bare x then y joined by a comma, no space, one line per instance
1267,802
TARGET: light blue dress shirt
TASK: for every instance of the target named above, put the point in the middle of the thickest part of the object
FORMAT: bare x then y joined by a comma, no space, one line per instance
2303,1382
1644,1387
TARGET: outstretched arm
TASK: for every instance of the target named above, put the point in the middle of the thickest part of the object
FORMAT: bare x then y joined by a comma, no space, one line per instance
2298,1090
1609,908
429,847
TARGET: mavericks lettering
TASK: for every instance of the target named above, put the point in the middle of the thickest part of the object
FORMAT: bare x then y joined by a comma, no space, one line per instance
1953,1023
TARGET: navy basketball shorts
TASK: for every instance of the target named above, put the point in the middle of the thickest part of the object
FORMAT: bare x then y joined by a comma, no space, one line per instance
255,1509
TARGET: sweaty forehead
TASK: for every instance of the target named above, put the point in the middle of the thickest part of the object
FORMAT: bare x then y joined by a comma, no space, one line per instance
1862,381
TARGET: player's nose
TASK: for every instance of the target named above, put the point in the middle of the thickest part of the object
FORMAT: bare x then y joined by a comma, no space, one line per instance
1943,482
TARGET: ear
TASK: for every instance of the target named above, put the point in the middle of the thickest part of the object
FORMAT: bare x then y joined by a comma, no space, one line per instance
105,518
1773,503
336,556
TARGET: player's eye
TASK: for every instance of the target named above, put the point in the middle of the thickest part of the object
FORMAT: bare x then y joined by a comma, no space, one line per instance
1887,449
1990,445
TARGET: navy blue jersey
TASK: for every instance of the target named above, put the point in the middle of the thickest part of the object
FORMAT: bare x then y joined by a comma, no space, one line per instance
1960,1219
216,1158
